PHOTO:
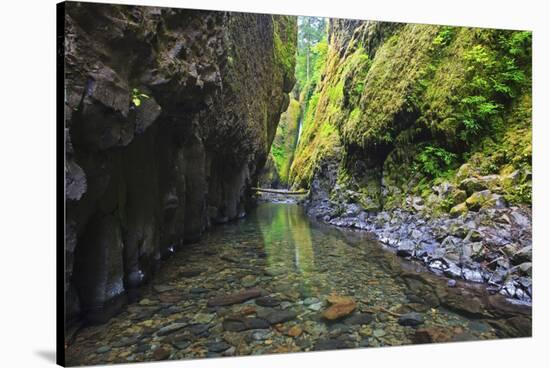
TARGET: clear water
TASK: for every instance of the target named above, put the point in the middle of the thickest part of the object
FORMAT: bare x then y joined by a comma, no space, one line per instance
278,249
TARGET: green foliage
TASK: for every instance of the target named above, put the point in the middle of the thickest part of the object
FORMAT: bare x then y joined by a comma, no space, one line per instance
312,50
475,111
447,93
521,193
444,36
137,96
494,77
434,161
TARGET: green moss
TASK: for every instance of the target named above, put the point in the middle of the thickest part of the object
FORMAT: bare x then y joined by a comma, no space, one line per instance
393,73
284,42
434,97
284,144
326,110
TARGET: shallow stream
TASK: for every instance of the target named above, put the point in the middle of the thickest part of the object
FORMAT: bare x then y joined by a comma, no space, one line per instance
295,264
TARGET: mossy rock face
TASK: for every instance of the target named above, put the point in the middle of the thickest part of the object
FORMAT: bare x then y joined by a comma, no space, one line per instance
459,210
408,115
478,200
459,196
284,144
465,171
472,185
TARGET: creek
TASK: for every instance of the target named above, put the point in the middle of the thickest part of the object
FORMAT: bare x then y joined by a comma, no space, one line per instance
260,285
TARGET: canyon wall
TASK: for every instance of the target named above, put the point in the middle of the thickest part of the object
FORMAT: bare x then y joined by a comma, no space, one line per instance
275,172
422,133
169,116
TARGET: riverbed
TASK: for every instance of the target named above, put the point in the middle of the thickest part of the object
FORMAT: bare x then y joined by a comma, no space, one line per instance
262,284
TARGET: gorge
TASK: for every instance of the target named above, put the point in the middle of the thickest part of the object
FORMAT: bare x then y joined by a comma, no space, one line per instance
413,143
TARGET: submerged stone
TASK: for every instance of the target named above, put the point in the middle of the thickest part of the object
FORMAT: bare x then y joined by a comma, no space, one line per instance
281,316
235,298
340,306
267,301
411,319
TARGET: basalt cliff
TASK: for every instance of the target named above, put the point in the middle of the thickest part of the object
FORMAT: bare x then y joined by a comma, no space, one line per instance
169,116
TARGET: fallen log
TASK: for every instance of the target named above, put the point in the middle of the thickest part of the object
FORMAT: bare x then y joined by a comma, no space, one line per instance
280,191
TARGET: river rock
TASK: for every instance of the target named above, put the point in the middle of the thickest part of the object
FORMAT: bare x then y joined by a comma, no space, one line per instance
267,301
478,200
311,300
329,344
261,334
294,331
203,318
235,298
411,319
525,254
162,288
103,349
237,324
431,335
171,328
340,306
280,316
472,275
191,273
218,347
198,328
315,306
405,248
161,353
198,290
126,341
471,185
359,319
249,281
460,209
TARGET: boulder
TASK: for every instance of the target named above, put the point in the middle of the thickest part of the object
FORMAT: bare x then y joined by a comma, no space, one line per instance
459,210
458,196
405,248
472,185
478,200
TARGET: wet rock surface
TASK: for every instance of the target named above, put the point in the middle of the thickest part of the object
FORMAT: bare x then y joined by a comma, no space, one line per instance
492,246
306,270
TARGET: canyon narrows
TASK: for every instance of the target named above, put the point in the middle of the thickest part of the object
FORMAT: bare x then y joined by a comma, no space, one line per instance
243,184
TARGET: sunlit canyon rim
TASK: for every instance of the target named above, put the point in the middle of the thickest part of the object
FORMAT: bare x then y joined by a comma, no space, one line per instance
402,152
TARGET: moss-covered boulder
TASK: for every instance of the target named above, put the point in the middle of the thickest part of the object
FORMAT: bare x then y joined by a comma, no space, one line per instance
459,210
478,200
458,196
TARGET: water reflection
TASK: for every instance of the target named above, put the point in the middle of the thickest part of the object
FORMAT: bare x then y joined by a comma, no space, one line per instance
288,243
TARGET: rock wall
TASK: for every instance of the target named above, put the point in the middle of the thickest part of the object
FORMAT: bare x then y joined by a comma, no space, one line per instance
169,116
275,172
422,134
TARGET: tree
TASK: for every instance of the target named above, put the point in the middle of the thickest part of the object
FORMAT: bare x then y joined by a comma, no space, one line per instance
311,30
